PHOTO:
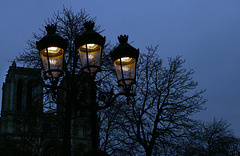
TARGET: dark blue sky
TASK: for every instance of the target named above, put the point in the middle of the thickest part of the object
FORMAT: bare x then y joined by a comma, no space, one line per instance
205,32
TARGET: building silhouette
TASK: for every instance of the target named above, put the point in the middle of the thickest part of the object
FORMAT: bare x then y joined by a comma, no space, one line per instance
30,127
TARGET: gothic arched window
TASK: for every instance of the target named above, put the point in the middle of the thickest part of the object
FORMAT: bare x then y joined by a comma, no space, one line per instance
29,95
19,95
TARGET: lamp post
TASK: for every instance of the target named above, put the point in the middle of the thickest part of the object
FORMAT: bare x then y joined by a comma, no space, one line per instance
52,48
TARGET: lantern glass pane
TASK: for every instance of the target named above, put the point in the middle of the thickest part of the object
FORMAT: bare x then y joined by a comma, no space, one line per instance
126,72
90,56
54,65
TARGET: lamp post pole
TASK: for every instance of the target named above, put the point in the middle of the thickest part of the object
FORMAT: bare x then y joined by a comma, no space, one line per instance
94,118
52,48
67,122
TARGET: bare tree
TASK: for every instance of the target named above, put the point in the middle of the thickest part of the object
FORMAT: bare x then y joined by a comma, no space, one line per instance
212,138
166,97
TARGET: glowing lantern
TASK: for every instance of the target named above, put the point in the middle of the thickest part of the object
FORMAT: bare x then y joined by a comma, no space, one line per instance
90,45
125,57
52,49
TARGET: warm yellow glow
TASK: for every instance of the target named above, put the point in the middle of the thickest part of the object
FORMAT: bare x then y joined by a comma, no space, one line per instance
90,46
53,49
126,59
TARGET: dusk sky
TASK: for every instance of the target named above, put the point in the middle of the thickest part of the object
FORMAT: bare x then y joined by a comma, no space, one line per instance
204,32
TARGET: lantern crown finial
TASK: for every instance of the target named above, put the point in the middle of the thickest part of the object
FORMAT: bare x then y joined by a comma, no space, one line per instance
89,25
123,38
124,49
51,29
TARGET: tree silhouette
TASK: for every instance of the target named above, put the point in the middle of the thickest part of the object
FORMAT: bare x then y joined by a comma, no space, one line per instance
166,97
212,138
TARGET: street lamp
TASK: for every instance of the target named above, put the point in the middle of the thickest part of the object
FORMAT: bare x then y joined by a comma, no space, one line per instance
52,49
125,57
90,45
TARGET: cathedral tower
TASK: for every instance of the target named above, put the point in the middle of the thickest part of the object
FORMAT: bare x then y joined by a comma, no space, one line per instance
21,93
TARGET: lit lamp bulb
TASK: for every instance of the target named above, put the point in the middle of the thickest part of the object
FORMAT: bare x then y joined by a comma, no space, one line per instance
53,62
90,56
125,69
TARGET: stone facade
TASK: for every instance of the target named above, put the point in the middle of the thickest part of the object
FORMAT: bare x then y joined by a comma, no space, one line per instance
21,92
25,120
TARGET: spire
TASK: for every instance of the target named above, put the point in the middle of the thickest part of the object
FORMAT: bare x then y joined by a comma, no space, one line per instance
14,65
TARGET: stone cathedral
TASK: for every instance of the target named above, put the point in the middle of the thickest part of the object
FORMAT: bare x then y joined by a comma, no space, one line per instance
25,123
